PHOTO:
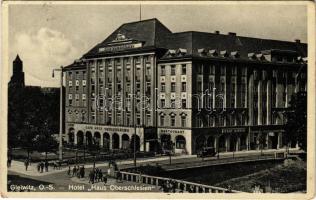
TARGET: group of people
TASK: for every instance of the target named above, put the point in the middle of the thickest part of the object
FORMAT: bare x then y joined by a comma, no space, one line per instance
169,186
78,171
96,175
41,165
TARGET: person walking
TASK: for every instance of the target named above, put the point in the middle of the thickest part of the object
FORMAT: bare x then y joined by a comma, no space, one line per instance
46,166
105,179
42,167
91,177
39,167
9,162
26,164
69,171
74,171
82,171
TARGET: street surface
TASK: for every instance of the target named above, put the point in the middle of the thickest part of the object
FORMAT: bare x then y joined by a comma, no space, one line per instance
61,181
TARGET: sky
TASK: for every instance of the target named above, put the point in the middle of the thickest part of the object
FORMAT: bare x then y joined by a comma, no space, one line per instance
48,36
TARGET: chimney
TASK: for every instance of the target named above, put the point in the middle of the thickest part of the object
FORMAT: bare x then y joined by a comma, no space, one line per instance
232,33
216,32
297,41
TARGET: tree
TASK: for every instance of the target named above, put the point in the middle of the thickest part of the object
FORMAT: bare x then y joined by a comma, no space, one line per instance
296,120
44,141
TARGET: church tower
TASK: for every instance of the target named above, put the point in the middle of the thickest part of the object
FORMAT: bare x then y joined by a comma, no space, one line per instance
17,78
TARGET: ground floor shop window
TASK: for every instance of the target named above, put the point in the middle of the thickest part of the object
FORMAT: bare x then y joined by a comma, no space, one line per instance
180,142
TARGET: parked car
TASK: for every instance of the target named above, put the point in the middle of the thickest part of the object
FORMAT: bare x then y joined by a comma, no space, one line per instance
206,152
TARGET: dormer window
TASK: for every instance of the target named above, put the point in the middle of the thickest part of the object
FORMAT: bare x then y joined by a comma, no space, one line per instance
181,51
235,54
224,53
252,56
213,52
202,52
260,56
171,53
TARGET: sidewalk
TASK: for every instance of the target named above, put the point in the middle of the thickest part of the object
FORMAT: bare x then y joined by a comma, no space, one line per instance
19,167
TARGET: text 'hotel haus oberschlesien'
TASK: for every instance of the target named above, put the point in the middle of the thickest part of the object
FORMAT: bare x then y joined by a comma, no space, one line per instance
196,89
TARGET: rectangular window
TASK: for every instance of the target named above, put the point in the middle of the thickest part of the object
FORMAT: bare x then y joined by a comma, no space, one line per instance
162,103
223,70
243,95
70,75
173,70
183,87
162,120
183,121
184,69
163,70
163,87
84,75
138,120
173,103
199,69
70,99
234,71
172,120
173,87
184,103
212,69
199,86
244,71
211,87
222,89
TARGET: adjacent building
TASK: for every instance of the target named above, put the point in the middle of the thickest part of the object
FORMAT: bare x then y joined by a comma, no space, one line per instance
182,91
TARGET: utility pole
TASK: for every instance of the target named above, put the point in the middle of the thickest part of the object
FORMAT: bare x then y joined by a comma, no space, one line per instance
140,12
134,112
60,148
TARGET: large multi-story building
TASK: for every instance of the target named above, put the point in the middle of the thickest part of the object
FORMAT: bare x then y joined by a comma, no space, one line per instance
183,91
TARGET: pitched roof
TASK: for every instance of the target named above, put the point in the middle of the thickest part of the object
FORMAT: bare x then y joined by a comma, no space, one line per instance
17,58
151,32
193,41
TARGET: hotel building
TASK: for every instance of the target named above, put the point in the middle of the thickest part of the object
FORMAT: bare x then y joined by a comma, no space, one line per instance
183,91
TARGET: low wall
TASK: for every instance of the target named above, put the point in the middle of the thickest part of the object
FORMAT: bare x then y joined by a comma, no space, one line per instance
180,184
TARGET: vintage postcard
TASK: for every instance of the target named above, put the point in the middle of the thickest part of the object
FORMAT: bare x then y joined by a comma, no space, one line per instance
150,99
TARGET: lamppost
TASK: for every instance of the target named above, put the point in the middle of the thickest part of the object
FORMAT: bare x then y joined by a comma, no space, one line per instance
60,113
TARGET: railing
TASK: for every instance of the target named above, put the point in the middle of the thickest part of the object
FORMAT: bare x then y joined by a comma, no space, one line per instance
180,185
225,160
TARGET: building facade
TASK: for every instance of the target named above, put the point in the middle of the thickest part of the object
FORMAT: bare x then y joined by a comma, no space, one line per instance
182,91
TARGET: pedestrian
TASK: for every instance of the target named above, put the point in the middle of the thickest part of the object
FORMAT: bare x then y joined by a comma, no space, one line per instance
26,164
174,186
118,174
46,166
191,189
181,187
100,175
74,170
229,189
140,177
105,179
39,167
9,162
91,177
82,171
42,167
69,171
